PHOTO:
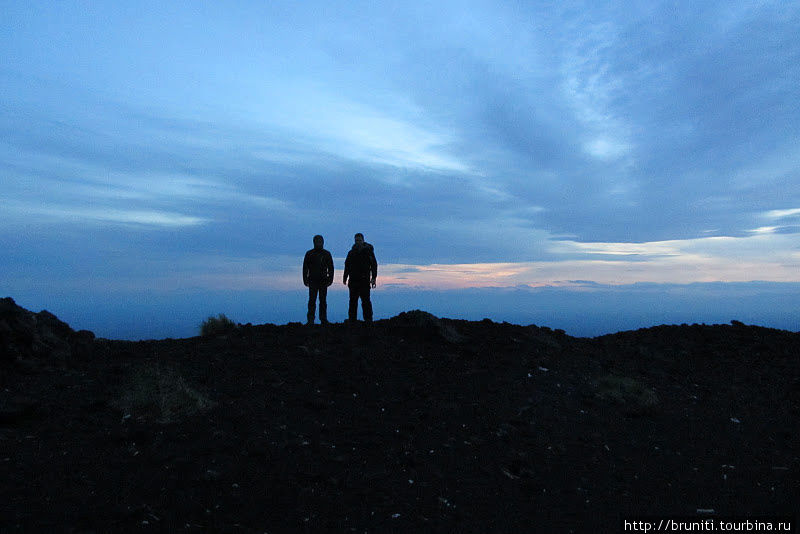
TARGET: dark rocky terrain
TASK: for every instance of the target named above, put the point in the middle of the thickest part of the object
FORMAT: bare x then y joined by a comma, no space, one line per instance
416,424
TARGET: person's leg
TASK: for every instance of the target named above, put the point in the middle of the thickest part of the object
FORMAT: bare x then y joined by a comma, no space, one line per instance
366,303
312,303
323,305
352,311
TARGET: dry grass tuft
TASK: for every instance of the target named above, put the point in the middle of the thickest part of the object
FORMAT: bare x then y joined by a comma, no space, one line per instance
161,393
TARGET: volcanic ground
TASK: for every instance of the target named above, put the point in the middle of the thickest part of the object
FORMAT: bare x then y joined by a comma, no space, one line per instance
415,424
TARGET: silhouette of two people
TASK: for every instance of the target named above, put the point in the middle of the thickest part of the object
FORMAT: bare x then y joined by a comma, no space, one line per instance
361,268
317,276
360,274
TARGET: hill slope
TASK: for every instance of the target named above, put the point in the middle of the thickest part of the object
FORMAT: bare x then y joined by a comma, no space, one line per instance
417,424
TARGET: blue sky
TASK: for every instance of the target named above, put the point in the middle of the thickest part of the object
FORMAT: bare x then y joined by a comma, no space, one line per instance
156,158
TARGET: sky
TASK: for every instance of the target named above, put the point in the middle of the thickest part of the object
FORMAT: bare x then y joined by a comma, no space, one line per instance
591,166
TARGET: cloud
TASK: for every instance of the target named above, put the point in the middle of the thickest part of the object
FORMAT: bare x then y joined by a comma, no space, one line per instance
607,149
764,256
76,215
512,145
781,214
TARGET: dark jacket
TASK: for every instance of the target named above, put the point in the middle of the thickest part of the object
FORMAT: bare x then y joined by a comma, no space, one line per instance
361,265
318,268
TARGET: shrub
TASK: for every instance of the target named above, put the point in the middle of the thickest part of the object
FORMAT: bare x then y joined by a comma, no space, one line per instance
217,325
622,390
162,393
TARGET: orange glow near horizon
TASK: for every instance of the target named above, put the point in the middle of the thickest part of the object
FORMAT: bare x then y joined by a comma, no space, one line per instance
760,257
683,269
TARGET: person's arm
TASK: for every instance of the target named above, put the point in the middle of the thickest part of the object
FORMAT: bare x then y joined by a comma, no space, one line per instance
346,269
329,261
305,270
373,266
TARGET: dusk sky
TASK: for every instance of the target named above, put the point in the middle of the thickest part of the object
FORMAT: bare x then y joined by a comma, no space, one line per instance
593,166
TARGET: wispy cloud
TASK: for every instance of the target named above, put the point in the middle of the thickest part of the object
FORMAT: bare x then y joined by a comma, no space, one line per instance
591,86
77,215
335,124
781,214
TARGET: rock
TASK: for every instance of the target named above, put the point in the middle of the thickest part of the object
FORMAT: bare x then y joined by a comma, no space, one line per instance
429,324
25,334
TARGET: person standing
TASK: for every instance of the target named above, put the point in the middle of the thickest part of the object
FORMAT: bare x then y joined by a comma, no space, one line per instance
317,276
361,268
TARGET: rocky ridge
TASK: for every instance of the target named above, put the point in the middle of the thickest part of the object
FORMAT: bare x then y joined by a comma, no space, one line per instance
417,424
25,335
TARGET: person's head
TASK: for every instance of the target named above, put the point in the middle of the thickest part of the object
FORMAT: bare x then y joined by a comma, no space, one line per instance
359,238
318,242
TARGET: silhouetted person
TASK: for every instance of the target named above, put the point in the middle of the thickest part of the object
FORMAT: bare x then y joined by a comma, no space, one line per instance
317,276
361,268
